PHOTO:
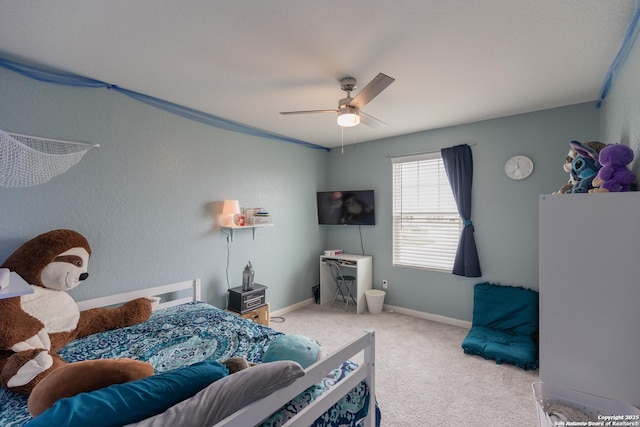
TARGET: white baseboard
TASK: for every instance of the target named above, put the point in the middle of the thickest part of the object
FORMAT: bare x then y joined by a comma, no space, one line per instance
290,308
428,316
392,308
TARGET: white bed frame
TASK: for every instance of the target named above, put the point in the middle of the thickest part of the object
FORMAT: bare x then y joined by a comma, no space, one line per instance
156,291
258,411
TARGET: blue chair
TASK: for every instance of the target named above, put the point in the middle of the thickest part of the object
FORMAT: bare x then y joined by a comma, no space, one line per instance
505,325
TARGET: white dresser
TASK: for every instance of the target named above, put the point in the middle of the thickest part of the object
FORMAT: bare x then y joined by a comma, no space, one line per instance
590,293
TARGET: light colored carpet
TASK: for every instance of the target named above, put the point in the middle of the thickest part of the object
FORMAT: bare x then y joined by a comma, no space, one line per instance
423,378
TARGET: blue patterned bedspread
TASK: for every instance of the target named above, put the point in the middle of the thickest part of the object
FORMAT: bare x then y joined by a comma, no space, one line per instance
190,333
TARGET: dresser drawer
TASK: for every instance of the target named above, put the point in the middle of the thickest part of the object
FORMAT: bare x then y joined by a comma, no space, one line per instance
259,315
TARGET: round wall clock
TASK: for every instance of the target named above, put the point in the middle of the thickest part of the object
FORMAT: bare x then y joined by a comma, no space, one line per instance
518,167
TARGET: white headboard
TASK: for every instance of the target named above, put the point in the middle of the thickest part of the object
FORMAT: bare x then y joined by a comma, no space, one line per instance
155,291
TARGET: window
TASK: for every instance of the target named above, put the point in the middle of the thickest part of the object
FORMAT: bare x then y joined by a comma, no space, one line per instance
426,223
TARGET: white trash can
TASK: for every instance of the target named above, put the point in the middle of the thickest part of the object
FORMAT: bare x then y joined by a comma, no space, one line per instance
375,300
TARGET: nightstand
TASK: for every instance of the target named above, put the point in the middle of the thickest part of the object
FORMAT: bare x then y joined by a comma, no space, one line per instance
242,301
259,315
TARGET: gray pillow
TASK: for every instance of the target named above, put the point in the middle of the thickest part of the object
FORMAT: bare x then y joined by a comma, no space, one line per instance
227,395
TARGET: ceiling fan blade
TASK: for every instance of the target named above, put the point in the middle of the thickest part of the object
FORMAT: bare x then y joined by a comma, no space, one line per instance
308,111
371,121
371,90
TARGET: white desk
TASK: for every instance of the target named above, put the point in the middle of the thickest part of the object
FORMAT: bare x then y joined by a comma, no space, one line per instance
362,264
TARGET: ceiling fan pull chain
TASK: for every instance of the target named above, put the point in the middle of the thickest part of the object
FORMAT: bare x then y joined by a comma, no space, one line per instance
355,136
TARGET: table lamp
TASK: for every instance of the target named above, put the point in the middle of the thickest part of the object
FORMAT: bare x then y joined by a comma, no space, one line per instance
230,208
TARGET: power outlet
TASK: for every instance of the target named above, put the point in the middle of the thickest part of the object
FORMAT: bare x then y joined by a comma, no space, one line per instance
385,284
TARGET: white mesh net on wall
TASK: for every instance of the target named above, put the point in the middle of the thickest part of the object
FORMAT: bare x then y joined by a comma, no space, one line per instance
26,161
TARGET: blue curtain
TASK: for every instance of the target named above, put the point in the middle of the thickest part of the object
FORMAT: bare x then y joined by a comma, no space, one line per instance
458,162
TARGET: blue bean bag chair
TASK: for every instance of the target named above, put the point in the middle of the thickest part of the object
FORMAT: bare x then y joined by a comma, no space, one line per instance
505,325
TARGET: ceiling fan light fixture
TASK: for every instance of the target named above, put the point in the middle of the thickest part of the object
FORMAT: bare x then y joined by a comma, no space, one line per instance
348,116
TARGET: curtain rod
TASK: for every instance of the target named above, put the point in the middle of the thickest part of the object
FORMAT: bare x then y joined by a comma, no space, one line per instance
435,150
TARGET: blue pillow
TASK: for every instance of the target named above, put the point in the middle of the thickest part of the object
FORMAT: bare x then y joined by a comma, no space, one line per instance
511,309
121,404
298,348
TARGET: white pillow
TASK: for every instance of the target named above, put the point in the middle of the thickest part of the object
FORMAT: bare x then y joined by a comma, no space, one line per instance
227,395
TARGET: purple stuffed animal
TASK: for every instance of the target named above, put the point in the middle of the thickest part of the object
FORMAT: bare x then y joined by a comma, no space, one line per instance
614,176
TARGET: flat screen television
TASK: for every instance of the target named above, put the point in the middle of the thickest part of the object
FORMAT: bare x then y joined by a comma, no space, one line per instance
346,207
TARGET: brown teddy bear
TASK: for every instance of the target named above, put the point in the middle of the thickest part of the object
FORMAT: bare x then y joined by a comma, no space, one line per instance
236,364
36,326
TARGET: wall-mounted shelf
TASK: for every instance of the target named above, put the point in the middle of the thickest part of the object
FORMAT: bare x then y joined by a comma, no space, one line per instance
245,227
14,285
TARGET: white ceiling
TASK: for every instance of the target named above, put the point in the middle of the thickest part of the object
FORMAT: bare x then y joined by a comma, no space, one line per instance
454,61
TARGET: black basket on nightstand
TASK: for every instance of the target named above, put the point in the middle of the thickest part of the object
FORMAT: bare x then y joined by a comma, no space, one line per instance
244,301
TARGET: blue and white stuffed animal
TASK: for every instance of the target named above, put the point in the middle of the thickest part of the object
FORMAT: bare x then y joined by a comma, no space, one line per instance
568,162
584,167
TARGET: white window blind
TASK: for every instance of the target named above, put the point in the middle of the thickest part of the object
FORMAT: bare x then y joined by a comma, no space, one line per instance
426,223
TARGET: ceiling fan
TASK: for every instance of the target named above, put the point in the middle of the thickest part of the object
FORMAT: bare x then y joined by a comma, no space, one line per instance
350,109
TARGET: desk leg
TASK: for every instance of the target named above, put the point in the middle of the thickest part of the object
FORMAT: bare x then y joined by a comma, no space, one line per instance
327,285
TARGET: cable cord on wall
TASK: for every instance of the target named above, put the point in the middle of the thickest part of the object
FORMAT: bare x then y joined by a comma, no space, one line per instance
228,257
361,244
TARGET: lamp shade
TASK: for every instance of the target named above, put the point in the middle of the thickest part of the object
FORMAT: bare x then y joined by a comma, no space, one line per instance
231,207
348,116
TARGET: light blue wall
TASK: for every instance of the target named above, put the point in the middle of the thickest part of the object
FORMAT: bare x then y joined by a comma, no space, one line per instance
621,108
143,198
505,212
